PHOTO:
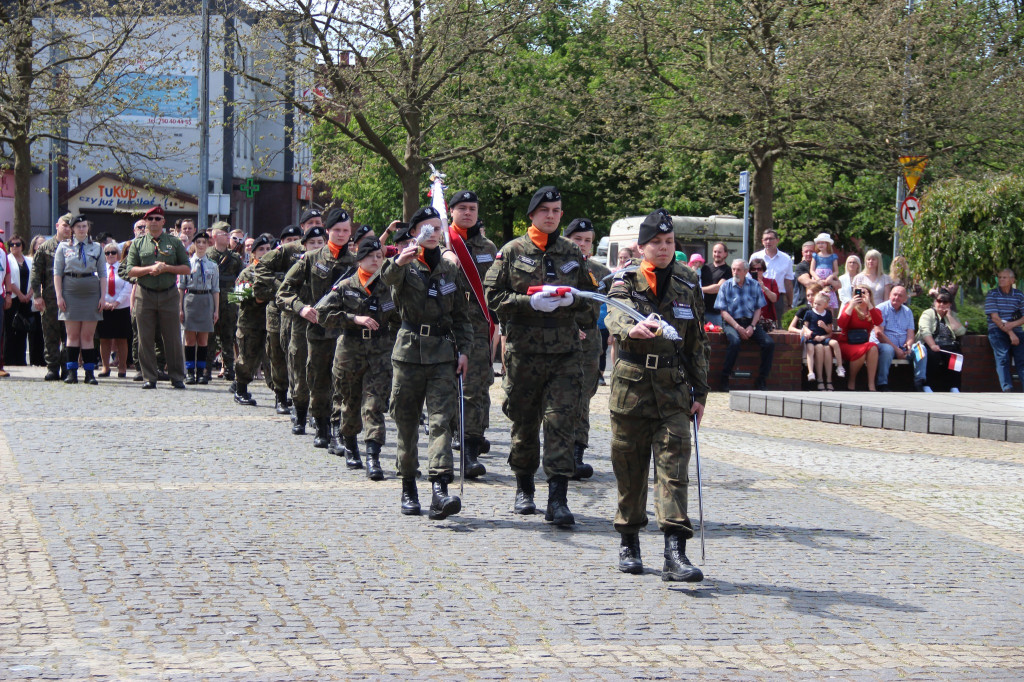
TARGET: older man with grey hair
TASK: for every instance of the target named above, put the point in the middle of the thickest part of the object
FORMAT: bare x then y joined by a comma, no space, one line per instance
740,300
895,335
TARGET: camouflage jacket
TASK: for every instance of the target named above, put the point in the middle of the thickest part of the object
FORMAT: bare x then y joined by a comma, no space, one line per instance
483,252
638,388
252,314
309,280
42,268
272,268
350,299
229,265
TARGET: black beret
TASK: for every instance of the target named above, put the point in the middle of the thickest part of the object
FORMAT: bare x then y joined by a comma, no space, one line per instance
202,235
291,231
314,232
335,216
461,197
361,232
654,224
401,234
579,225
424,214
547,193
81,218
309,214
367,247
260,241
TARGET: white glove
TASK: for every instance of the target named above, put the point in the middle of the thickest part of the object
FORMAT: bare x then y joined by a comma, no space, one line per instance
543,303
565,300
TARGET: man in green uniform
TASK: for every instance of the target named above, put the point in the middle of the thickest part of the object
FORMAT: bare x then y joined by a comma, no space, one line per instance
427,357
229,266
45,297
361,307
465,208
306,283
651,403
251,330
298,348
581,233
270,273
154,261
543,379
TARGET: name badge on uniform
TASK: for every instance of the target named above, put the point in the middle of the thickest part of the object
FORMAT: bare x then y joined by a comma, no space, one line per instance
323,268
682,311
385,307
684,281
447,288
529,261
484,258
354,294
569,267
638,296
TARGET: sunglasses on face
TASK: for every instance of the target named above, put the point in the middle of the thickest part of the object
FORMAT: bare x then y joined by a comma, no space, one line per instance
110,253
154,217
13,244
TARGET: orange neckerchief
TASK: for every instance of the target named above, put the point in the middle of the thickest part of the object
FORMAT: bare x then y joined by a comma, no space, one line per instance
539,239
647,267
421,257
364,277
335,250
462,233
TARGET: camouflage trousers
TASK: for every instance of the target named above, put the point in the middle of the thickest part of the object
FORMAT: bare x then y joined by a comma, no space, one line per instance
633,439
362,385
223,337
319,367
251,345
53,332
590,363
412,386
277,377
542,389
298,355
476,389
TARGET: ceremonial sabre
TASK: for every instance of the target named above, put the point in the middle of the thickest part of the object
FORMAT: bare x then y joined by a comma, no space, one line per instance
462,439
667,330
700,494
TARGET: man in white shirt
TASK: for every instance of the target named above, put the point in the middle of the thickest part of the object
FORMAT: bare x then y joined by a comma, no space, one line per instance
780,268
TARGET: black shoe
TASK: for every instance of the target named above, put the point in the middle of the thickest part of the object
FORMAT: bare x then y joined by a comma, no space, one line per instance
336,446
204,378
760,384
677,566
352,460
485,446
443,505
72,377
583,470
723,383
474,469
90,378
281,405
882,388
558,508
152,384
229,375
323,433
178,384
299,422
139,377
233,387
918,385
456,442
243,397
63,373
52,376
190,377
162,376
410,498
374,472
525,490
629,554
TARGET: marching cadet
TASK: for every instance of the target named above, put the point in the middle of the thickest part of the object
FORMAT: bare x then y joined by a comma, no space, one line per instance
298,347
306,283
581,233
229,265
465,208
45,297
428,354
361,306
651,395
269,274
251,330
543,376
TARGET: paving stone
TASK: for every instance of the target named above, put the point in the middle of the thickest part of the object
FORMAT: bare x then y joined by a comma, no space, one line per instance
894,419
830,412
871,416
993,429
791,408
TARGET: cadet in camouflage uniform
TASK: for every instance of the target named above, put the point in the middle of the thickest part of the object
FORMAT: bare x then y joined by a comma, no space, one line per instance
251,329
427,357
581,233
229,265
269,274
362,308
304,286
465,208
543,379
45,296
650,395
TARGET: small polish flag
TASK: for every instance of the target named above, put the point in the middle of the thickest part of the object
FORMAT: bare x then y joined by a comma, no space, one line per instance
956,362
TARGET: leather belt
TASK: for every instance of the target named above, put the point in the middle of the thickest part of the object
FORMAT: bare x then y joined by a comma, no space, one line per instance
363,333
199,291
156,291
79,275
546,322
650,360
425,329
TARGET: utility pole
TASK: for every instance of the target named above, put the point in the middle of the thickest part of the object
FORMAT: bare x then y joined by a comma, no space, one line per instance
204,121
901,188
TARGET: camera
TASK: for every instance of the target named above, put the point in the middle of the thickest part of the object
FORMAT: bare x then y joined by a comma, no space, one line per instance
858,292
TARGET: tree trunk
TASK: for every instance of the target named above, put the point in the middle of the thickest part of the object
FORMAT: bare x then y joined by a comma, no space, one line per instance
410,192
21,148
762,193
508,221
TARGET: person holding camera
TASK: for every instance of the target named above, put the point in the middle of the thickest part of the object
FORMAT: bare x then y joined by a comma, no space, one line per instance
856,320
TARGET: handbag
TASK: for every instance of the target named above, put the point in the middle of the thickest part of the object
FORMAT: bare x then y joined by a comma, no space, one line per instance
855,337
20,322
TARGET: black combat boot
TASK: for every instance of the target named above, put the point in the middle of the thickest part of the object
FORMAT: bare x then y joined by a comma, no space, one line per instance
323,433
474,469
456,441
229,374
281,404
410,498
71,375
583,470
525,490
485,446
629,554
374,472
443,505
90,377
299,422
242,395
336,448
558,508
352,457
677,566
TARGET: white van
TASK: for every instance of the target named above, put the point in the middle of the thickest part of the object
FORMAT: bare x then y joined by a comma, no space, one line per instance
602,250
693,235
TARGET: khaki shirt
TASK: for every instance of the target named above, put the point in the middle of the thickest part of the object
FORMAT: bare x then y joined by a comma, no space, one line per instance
146,251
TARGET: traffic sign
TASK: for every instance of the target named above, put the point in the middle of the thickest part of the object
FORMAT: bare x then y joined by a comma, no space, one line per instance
909,209
913,169
744,182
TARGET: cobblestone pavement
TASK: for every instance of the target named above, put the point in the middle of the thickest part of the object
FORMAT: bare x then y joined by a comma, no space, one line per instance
165,535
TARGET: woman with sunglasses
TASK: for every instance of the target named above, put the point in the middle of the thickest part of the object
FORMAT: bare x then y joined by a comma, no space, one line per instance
15,333
770,289
77,272
115,328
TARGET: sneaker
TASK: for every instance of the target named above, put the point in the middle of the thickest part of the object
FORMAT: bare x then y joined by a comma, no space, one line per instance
811,376
952,390
841,371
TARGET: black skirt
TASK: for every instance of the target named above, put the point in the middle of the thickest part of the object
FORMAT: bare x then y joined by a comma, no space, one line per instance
116,324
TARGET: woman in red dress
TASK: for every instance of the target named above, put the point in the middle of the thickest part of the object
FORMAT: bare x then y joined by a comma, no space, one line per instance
856,320
769,288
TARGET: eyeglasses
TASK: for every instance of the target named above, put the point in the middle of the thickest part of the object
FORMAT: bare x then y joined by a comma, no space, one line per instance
769,239
110,253
235,239
13,244
154,217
